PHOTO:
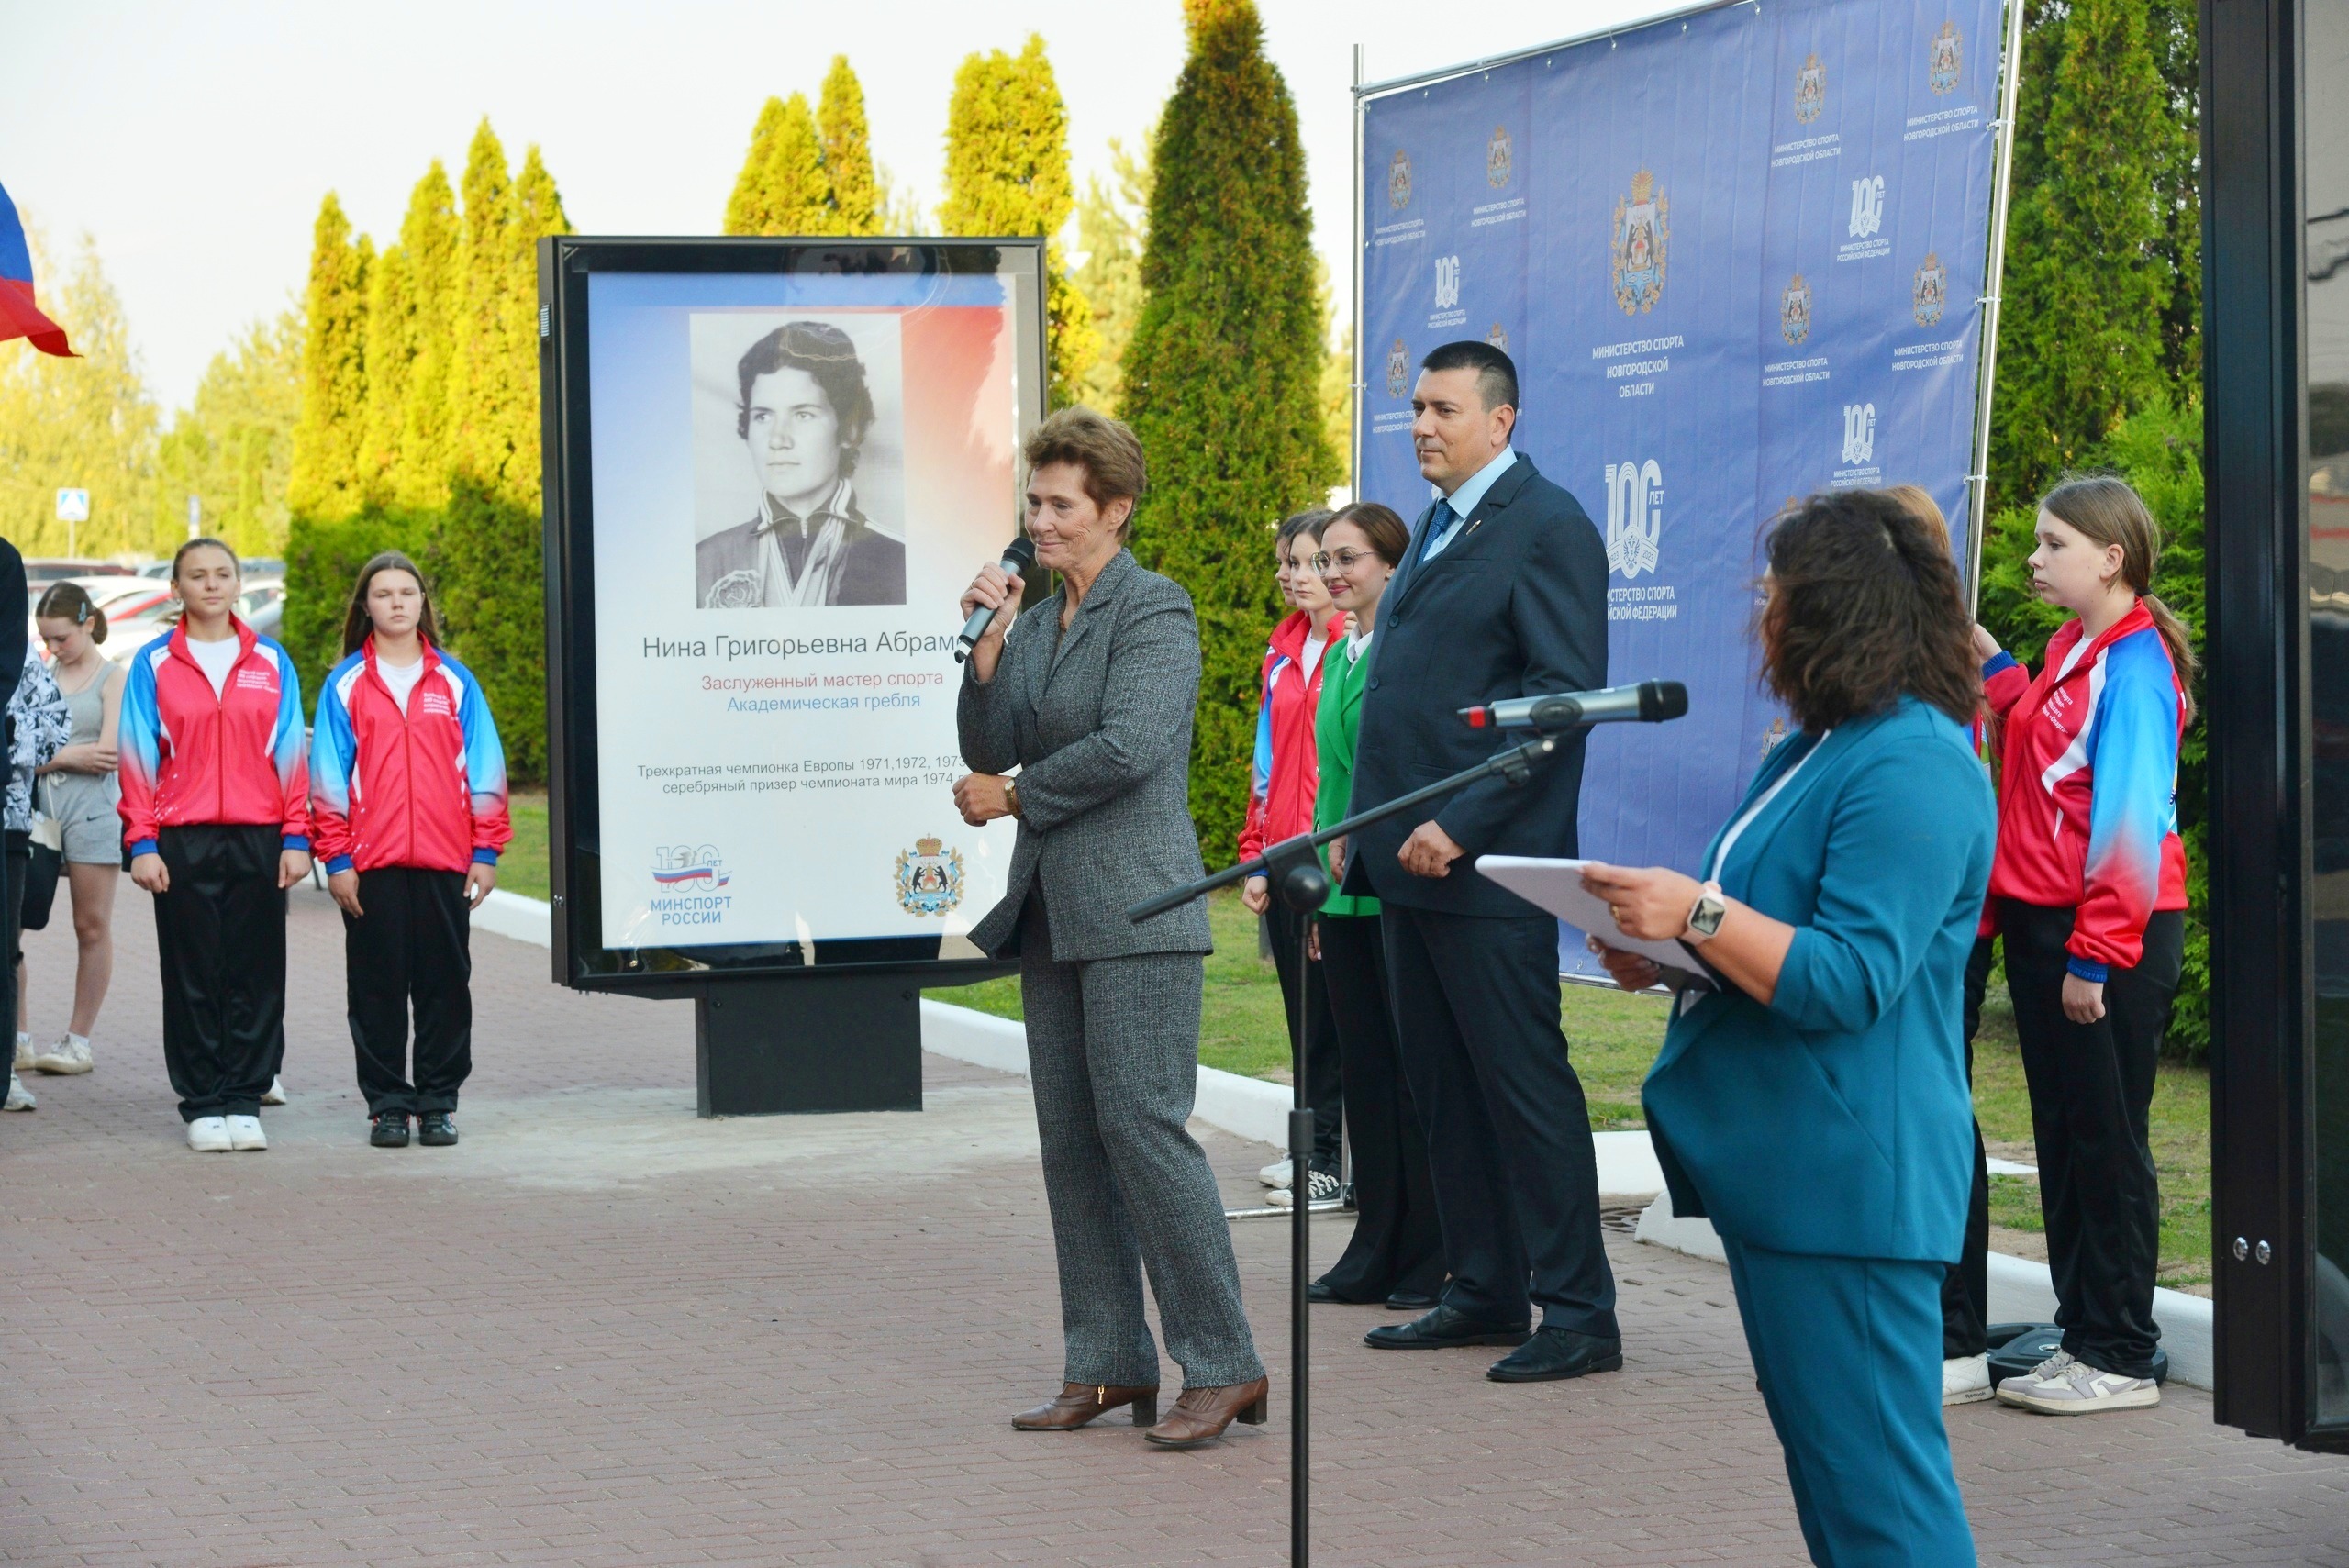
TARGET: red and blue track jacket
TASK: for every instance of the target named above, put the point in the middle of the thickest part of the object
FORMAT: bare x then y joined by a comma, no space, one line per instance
424,788
1287,773
2088,800
190,757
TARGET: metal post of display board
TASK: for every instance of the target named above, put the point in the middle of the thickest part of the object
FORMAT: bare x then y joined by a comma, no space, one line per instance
1977,482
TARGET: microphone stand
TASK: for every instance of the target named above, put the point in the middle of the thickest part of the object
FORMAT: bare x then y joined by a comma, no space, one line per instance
1294,868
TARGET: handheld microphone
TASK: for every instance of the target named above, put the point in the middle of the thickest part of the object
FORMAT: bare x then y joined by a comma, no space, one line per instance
1018,557
1650,702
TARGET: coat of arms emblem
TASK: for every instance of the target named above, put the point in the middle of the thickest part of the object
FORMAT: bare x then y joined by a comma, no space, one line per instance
1944,59
1399,369
1500,154
1793,311
1637,246
1931,293
1811,90
1399,181
1499,337
930,878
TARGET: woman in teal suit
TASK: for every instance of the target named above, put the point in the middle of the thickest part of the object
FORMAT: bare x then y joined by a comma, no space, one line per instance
1813,1101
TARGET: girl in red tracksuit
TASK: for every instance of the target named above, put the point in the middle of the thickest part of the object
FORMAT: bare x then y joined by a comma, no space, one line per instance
2089,893
1280,806
408,794
216,819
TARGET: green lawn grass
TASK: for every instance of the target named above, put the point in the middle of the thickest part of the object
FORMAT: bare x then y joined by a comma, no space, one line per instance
1614,1039
523,867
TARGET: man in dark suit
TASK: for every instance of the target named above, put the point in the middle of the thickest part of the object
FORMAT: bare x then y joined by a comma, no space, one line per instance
1503,595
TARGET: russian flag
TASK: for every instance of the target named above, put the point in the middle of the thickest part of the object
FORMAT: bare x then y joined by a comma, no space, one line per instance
19,317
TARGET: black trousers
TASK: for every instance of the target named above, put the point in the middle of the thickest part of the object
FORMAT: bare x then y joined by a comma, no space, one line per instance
412,946
1397,1243
2091,1094
1324,1080
220,933
1515,1172
1966,1288
17,862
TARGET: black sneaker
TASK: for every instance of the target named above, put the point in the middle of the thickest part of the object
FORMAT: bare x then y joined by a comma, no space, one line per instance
435,1130
391,1130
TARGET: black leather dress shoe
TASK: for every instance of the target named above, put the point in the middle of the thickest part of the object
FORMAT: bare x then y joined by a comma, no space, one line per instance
1441,1330
1409,1301
1554,1354
1318,1291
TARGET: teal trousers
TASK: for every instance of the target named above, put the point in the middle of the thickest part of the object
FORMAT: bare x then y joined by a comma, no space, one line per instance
1848,1352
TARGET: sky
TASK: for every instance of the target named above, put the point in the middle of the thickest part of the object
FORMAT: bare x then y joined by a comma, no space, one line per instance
192,143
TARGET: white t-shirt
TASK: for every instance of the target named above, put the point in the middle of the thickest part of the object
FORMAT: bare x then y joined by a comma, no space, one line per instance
1311,657
215,660
401,679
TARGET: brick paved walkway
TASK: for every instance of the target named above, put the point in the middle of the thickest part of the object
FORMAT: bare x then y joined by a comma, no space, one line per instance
601,1331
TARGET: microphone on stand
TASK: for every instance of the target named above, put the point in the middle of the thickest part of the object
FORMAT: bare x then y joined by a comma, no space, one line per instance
1018,557
1650,702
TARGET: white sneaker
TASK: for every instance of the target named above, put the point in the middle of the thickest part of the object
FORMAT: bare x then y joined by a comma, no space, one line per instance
209,1135
24,1057
2066,1385
275,1094
18,1100
1276,1175
1965,1380
244,1132
68,1056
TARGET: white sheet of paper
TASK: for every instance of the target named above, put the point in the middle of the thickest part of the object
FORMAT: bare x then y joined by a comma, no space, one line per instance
1556,885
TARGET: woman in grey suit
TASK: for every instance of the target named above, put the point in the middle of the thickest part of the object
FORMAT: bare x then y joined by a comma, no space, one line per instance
1090,696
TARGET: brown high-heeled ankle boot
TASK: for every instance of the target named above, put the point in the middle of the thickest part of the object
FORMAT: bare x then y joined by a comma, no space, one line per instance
1080,1402
1200,1414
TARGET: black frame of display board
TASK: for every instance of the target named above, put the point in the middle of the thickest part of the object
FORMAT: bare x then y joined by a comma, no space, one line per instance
582,959
2256,704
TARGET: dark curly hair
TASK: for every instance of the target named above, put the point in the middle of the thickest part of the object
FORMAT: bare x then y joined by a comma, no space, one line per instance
1865,607
828,357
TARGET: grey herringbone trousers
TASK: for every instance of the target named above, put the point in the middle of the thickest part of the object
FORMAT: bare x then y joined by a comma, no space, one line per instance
1113,1049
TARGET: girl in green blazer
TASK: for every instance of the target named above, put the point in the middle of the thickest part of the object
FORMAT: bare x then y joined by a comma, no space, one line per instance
1396,1252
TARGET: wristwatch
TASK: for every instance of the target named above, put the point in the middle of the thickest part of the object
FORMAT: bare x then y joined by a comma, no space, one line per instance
1704,917
1011,797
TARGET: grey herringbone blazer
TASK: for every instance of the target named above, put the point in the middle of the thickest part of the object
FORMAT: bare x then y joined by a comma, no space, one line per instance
1098,720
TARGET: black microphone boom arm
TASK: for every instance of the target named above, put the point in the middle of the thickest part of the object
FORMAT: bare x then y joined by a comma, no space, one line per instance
1515,765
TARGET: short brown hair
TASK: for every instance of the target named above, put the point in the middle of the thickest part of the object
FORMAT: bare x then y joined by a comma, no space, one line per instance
1107,450
1388,534
1864,607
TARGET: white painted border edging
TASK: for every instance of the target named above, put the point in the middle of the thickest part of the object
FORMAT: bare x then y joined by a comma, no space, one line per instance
2021,1291
512,915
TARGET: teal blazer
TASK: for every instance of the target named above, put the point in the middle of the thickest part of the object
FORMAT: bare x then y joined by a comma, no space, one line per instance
1836,1121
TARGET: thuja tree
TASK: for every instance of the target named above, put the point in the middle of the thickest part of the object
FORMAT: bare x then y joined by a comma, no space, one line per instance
1221,378
1006,173
2100,254
325,481
848,151
782,188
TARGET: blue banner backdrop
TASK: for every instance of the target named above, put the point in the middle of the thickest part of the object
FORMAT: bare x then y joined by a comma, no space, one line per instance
1737,259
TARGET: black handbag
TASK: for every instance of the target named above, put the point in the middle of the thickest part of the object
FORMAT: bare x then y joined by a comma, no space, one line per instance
47,864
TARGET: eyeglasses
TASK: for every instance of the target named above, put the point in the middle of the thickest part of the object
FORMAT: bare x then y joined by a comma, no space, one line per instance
1342,559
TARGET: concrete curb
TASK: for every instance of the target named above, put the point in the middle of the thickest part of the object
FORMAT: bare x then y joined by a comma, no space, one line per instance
512,915
2021,1291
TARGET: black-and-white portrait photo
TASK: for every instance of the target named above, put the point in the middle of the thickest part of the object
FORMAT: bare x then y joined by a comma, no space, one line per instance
800,487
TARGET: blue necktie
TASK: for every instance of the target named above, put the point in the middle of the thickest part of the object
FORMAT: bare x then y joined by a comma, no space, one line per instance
1440,530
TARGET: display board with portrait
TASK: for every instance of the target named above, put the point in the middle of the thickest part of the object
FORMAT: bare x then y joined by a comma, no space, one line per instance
772,468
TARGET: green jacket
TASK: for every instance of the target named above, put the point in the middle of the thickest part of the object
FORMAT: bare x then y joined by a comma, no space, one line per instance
1337,725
